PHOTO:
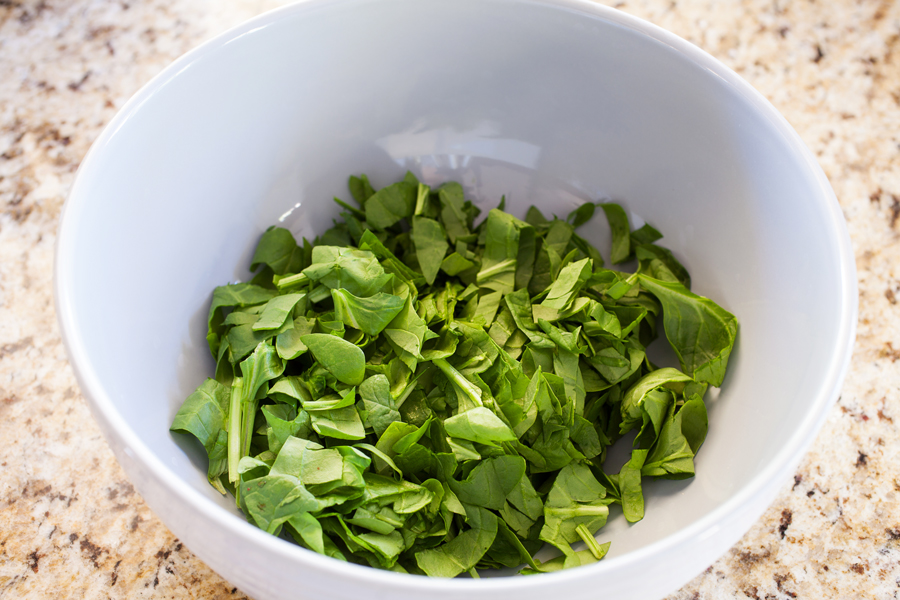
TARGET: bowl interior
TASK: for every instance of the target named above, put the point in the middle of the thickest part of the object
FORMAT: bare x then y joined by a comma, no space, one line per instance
537,101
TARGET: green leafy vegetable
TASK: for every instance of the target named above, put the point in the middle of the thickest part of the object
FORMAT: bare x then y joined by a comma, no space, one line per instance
276,311
343,359
390,204
278,250
422,392
479,425
701,332
204,414
370,315
618,225
431,245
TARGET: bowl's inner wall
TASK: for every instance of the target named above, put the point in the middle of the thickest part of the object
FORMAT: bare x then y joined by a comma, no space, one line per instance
552,109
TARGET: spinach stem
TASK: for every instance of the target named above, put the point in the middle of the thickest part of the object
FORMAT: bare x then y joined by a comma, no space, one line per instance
468,388
234,429
249,417
589,540
501,267
290,280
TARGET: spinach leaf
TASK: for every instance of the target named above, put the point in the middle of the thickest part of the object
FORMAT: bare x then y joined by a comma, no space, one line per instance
343,359
576,559
490,482
360,189
479,425
243,339
430,241
570,281
389,262
274,499
203,413
582,214
357,271
659,263
632,496
288,342
380,406
535,217
646,234
526,499
671,455
226,296
279,429
390,204
694,422
456,263
406,334
370,315
526,256
700,331
276,311
501,251
621,232
343,423
576,498
638,403
453,212
278,250
464,551
303,526
488,306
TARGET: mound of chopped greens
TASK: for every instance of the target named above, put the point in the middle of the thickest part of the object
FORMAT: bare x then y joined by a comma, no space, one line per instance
422,394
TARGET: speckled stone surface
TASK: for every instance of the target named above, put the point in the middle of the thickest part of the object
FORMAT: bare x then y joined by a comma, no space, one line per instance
71,526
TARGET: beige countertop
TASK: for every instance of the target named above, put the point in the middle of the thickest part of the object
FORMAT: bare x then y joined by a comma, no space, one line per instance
71,526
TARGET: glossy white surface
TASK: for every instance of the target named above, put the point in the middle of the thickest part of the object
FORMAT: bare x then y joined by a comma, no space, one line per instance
550,102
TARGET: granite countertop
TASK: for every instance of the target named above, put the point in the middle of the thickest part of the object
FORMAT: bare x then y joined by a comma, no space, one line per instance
72,526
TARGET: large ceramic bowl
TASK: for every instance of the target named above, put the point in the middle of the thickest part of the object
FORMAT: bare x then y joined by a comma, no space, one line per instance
551,102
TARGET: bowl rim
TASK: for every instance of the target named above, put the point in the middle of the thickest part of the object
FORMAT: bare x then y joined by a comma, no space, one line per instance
104,409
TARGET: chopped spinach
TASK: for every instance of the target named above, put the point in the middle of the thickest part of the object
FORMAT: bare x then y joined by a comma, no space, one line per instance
440,397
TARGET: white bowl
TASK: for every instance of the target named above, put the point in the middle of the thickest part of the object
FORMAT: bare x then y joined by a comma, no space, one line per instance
551,102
